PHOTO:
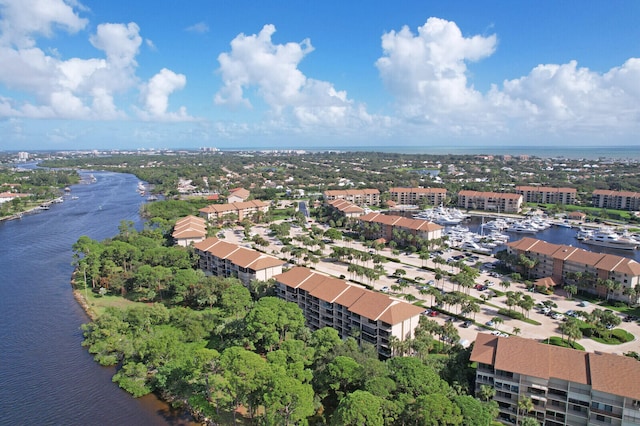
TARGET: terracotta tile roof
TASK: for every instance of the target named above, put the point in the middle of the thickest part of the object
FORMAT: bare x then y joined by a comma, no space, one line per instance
531,358
626,379
544,189
574,255
266,262
366,303
399,312
221,208
190,223
484,348
240,256
347,192
349,297
329,289
295,276
585,257
420,190
206,244
345,206
401,222
498,195
188,233
548,282
371,305
564,252
616,193
240,193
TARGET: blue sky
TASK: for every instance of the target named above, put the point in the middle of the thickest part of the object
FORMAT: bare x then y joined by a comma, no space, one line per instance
310,74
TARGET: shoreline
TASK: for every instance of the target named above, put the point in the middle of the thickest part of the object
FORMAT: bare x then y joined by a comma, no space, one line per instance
185,414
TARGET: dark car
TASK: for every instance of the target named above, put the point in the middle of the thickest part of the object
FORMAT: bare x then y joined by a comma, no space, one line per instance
466,324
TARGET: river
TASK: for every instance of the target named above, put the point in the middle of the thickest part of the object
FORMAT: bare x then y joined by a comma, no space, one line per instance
46,376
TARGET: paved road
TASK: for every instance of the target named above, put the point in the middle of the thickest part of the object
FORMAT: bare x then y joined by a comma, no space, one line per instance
412,264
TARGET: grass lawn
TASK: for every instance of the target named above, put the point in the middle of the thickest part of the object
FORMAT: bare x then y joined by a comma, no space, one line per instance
96,304
557,341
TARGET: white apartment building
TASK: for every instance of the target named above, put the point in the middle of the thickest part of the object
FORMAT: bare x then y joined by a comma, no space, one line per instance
566,386
223,259
350,309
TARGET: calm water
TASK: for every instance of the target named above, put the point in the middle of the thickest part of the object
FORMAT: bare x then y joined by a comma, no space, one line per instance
46,376
556,235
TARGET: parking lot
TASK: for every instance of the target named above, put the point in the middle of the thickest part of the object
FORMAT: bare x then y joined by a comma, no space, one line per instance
487,280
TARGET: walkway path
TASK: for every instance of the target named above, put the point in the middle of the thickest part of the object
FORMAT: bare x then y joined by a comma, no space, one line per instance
412,264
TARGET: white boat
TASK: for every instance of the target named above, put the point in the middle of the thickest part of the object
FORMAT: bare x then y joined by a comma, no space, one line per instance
523,227
473,246
606,238
446,220
583,233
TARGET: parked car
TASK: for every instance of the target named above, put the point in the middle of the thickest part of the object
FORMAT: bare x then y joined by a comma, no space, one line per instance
466,324
490,323
385,289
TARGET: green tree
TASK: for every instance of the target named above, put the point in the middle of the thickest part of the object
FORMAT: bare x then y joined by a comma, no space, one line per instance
287,400
359,408
436,410
525,405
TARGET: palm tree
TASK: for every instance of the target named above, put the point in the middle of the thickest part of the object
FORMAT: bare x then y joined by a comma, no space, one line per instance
516,331
486,392
496,321
525,405
571,290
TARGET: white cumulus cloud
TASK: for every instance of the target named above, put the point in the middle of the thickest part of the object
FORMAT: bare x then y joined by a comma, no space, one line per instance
25,19
427,75
155,96
256,62
73,88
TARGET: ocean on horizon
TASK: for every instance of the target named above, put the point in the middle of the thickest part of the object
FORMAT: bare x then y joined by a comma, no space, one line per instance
629,153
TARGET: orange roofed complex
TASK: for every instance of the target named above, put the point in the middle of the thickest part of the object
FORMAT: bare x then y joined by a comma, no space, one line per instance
501,202
547,195
416,196
189,229
346,208
387,223
242,210
361,197
224,259
618,200
559,261
566,386
348,308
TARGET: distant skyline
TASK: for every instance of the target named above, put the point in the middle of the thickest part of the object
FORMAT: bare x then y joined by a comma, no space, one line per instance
307,75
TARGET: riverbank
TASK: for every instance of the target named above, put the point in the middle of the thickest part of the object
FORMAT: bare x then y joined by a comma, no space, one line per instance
171,406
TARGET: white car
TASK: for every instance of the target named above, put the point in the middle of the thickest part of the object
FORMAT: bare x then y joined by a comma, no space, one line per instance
385,289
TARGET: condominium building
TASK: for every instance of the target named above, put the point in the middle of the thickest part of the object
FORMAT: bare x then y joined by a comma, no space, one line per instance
501,202
238,195
361,197
417,196
566,386
346,208
547,195
352,310
618,200
559,261
188,230
242,210
223,259
386,224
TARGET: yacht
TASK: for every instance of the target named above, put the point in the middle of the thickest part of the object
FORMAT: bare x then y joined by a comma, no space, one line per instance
523,227
606,238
